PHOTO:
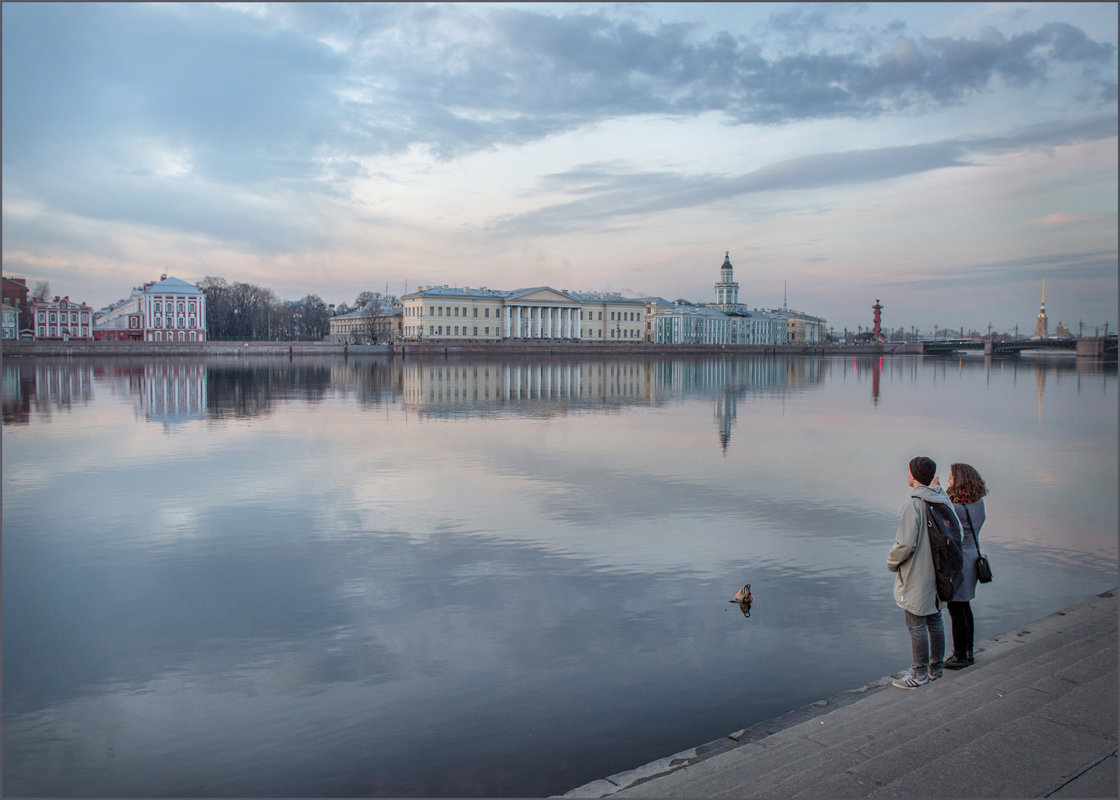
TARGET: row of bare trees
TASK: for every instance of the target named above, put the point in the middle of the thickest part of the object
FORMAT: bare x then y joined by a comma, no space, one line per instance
246,312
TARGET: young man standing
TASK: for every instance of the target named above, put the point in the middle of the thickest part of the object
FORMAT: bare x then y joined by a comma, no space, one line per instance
915,590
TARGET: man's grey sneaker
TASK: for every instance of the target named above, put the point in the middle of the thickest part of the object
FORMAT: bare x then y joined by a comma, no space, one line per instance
934,674
911,681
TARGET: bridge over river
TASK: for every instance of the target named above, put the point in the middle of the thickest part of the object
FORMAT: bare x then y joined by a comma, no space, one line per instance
1088,347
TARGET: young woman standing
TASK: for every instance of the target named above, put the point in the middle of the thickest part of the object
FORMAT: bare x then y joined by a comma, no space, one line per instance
967,490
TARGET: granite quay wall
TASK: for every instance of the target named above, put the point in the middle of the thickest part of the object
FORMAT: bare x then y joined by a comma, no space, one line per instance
26,348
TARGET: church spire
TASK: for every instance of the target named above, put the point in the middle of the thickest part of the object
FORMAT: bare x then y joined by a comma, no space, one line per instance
1042,327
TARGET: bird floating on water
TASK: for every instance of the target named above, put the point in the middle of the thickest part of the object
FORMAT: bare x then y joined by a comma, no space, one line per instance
744,595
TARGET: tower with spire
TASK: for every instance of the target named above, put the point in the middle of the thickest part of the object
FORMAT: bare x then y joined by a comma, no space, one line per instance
1042,327
727,290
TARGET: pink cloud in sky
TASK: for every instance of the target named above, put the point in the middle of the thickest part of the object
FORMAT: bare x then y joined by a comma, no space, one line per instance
1061,220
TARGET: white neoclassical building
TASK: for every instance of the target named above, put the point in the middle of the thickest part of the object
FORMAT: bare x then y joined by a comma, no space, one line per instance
447,313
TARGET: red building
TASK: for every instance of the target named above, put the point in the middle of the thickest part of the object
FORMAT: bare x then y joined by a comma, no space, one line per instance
61,318
15,295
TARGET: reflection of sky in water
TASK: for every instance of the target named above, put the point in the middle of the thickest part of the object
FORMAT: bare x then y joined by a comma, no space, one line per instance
324,578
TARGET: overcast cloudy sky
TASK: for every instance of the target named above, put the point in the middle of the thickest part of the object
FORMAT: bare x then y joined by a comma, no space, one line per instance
940,157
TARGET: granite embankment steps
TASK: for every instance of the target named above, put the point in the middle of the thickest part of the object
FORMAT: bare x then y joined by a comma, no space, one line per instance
1036,711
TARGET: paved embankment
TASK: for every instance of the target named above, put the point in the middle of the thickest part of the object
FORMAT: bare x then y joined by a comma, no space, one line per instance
1035,716
75,348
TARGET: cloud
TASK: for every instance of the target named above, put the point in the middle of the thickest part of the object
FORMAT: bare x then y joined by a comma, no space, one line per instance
1064,220
608,192
1075,266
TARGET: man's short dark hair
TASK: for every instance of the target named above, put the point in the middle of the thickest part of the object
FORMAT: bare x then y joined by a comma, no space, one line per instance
923,469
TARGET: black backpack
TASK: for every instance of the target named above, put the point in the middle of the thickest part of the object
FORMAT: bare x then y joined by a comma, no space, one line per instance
944,531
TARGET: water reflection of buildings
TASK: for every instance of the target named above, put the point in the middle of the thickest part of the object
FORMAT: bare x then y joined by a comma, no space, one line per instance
43,386
173,392
551,387
538,386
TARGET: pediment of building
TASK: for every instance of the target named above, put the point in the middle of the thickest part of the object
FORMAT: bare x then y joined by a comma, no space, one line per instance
540,294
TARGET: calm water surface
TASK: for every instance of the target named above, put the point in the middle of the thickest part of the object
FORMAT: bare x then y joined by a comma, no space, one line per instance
492,577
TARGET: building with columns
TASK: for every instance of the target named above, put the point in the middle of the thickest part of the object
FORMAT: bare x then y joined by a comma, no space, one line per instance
167,310
727,289
454,314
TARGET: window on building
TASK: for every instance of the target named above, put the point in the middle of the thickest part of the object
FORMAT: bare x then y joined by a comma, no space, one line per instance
475,328
600,316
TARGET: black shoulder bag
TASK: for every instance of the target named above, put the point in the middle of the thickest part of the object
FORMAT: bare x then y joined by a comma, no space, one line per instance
983,568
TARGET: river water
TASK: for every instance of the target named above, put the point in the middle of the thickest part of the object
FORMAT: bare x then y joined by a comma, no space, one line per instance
492,577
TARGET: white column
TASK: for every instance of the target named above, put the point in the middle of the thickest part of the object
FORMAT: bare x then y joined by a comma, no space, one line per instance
567,331
517,322
546,323
579,323
506,320
536,329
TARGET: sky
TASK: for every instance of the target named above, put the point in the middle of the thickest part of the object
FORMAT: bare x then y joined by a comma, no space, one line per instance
941,158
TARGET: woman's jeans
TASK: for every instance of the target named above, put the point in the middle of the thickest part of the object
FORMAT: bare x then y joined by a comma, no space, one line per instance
961,616
927,642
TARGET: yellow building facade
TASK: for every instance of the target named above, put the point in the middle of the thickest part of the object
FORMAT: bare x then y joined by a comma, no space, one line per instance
442,313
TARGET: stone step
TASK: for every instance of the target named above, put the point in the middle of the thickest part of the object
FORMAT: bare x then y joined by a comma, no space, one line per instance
848,742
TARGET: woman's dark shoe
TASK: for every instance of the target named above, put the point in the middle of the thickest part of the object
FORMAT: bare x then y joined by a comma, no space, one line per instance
955,663
969,658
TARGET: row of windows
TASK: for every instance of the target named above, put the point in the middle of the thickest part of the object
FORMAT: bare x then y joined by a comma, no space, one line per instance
171,323
55,332
157,336
449,311
456,311
62,317
462,330
437,330
171,306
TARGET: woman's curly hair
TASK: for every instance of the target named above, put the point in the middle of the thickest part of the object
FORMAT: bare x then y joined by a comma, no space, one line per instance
968,486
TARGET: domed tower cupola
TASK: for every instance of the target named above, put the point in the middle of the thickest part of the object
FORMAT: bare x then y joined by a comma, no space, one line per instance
727,290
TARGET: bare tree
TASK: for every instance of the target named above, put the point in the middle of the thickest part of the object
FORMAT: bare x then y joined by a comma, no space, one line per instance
41,290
